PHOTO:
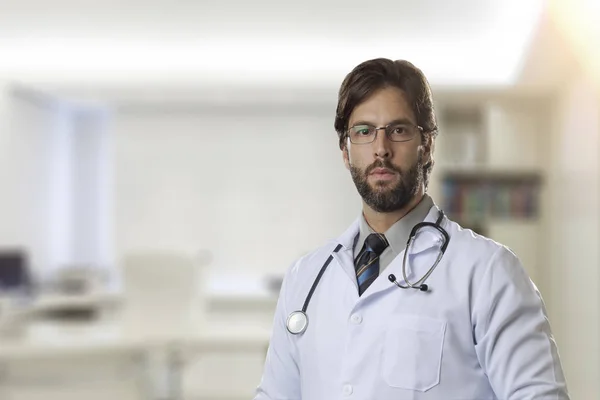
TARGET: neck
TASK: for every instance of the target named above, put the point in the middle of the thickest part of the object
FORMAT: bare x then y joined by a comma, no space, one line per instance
381,222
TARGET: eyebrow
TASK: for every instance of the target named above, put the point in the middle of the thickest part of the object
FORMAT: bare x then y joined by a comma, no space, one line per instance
395,121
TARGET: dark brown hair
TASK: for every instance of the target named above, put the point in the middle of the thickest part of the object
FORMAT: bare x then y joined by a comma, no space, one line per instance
373,75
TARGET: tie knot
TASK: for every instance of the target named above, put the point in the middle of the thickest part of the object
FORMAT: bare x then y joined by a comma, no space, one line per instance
377,243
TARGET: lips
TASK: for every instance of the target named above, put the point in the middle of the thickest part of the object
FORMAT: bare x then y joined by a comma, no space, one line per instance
382,171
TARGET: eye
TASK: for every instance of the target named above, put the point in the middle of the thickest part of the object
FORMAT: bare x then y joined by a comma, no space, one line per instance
399,130
361,130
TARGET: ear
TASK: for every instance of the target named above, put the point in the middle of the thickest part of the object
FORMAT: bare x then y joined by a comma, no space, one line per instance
428,145
346,157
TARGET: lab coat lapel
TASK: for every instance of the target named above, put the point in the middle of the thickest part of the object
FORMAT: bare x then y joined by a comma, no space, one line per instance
345,256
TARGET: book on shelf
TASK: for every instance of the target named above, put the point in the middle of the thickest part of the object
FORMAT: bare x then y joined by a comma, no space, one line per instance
477,200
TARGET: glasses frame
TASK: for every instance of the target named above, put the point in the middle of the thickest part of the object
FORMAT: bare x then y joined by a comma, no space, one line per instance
386,130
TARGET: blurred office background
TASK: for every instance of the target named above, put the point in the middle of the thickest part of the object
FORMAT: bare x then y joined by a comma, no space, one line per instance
163,163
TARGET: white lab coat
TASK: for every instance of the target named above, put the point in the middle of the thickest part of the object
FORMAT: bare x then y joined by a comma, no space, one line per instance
480,333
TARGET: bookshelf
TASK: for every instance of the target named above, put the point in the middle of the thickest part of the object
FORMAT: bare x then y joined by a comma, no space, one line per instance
478,198
490,161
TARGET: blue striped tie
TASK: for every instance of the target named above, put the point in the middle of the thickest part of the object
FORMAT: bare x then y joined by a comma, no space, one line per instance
367,262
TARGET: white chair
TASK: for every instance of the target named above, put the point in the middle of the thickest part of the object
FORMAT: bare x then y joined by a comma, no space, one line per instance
163,307
163,296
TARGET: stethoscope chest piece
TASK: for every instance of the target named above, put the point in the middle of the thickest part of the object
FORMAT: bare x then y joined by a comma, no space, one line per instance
297,322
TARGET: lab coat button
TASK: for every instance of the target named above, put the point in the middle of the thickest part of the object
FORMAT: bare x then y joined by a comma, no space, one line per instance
356,319
347,390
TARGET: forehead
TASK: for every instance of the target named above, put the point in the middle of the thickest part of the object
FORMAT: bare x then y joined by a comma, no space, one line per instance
383,106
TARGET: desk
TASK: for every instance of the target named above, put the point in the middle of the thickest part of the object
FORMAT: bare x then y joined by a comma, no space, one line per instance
16,319
224,340
71,369
239,290
55,302
204,363
223,359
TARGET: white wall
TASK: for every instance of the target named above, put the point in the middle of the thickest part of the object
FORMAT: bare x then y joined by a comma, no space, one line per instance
5,136
91,211
257,185
54,187
33,139
574,233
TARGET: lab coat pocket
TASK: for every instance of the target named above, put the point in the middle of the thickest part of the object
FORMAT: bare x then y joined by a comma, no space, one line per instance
412,353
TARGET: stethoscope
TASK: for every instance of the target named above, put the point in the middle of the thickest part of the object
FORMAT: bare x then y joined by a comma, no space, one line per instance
297,321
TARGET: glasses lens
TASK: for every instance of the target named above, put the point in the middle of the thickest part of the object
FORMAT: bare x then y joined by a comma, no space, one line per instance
362,134
401,132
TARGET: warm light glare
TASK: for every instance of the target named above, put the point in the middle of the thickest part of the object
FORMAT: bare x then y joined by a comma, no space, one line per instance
578,20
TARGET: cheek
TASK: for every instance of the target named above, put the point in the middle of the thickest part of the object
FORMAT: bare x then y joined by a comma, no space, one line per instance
359,157
407,157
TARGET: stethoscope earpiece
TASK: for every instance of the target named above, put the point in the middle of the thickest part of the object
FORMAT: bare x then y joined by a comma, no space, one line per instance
422,287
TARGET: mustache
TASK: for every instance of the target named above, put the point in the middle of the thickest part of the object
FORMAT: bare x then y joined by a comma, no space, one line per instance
382,164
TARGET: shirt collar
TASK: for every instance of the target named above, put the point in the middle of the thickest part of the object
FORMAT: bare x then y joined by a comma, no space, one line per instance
397,234
347,238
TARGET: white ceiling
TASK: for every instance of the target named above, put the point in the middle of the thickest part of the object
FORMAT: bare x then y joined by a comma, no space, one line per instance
332,19
459,42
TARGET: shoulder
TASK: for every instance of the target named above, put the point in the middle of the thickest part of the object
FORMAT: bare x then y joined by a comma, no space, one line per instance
311,262
486,257
303,271
475,246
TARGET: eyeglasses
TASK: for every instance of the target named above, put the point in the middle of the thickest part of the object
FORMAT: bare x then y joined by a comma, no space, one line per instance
396,132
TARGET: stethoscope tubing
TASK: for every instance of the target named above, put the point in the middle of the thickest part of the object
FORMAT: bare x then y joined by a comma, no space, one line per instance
316,282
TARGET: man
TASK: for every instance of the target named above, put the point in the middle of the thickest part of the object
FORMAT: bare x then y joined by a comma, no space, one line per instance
477,329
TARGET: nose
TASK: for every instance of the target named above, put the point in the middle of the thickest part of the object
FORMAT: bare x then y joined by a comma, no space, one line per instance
382,145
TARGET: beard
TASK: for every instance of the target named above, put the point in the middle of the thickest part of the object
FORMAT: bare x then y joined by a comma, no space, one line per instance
385,197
